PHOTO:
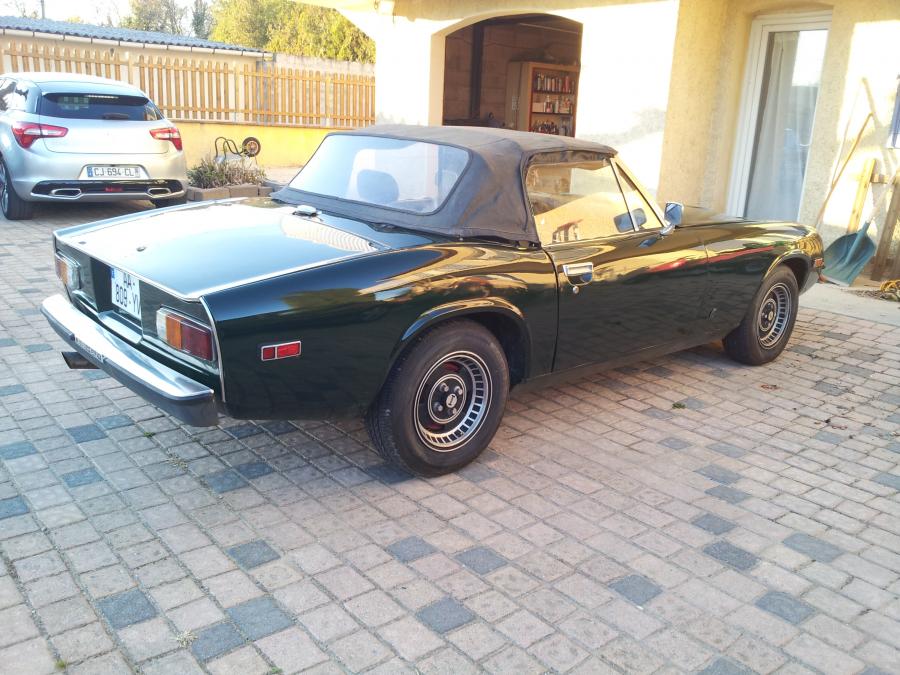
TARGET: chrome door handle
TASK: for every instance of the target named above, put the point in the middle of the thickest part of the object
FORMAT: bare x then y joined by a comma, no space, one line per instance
579,274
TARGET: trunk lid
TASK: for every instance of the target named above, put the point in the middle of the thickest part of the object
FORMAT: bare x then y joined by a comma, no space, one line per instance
193,250
106,137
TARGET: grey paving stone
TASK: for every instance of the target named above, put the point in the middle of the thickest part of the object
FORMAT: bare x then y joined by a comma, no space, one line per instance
888,480
81,477
127,608
244,430
14,506
785,606
94,375
114,422
719,474
723,666
657,413
410,549
224,481
16,450
730,554
636,588
254,469
812,547
727,449
278,427
389,474
481,559
215,641
39,347
713,523
7,342
444,615
728,494
477,472
675,443
828,437
259,617
830,389
10,389
86,432
253,554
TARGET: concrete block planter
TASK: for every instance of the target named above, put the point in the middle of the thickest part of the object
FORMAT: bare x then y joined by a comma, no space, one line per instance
204,194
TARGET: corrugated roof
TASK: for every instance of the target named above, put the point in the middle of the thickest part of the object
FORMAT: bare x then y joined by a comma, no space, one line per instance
85,30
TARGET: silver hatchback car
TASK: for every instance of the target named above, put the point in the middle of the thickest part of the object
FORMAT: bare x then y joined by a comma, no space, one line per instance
68,137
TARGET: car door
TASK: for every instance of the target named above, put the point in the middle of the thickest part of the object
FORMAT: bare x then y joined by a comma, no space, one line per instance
623,285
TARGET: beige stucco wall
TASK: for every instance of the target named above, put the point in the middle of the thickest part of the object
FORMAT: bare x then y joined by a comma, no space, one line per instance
662,81
861,65
626,62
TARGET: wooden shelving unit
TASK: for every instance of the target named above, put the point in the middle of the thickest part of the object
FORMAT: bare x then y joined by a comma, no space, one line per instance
541,97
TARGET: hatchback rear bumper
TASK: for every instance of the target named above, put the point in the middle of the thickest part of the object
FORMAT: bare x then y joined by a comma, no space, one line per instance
180,396
106,190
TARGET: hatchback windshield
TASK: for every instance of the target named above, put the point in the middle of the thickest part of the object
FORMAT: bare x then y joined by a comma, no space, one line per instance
99,107
399,174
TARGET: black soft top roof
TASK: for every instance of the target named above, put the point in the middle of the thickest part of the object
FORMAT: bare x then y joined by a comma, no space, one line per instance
488,200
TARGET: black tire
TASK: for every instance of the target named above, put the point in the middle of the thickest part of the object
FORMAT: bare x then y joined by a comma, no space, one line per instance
459,361
12,205
174,201
769,322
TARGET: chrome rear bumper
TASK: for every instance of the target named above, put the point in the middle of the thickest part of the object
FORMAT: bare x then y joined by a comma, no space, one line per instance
180,396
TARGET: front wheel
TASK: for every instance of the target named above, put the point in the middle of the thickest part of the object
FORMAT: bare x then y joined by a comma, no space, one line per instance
769,322
443,400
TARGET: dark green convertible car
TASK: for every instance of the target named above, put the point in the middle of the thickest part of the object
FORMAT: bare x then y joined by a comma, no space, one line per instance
414,275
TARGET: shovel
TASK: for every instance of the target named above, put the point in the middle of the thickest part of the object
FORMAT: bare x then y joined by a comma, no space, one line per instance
846,257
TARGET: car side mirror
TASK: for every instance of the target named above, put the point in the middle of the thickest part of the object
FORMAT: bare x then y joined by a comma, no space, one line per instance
673,214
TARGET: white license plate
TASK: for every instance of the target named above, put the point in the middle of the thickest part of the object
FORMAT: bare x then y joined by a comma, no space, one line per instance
126,292
114,172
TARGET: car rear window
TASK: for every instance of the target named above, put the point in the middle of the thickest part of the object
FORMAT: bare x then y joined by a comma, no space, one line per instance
407,175
99,107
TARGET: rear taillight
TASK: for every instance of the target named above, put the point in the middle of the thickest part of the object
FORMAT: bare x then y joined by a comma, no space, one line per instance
27,133
168,134
185,335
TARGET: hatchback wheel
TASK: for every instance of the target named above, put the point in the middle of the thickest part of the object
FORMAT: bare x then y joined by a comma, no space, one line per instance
13,206
769,322
443,400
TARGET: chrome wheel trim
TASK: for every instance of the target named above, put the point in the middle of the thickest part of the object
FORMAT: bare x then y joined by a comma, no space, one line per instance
774,315
452,401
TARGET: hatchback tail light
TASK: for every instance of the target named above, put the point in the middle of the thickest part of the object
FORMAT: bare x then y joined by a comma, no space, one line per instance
185,335
27,133
168,134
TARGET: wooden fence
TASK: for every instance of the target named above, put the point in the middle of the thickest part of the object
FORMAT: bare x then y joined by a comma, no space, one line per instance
216,90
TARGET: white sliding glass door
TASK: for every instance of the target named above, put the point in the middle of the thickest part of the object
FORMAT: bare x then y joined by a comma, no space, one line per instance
778,107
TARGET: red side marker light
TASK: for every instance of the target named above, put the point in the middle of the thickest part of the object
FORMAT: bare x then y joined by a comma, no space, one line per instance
284,350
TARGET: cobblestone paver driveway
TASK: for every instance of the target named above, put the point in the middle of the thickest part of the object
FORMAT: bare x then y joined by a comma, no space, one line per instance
686,514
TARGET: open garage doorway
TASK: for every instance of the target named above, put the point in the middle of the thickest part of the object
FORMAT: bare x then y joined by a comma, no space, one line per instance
519,72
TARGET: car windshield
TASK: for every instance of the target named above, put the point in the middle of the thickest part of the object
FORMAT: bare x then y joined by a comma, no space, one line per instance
99,107
399,174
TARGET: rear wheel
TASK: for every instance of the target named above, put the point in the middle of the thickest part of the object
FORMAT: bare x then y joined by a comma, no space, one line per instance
769,322
13,206
443,400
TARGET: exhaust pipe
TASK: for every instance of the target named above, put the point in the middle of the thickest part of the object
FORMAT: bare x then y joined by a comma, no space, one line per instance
76,361
156,191
71,193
